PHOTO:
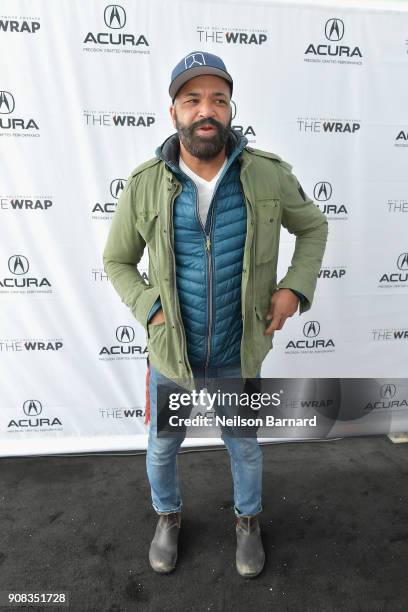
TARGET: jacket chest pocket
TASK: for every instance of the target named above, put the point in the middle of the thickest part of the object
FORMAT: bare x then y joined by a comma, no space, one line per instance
148,225
266,217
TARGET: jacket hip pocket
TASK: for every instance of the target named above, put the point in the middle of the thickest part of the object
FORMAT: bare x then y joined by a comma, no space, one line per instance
266,213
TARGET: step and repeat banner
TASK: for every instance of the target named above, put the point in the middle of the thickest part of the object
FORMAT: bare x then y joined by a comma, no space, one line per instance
84,100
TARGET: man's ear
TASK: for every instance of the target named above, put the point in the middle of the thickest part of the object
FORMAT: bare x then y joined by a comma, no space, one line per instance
173,115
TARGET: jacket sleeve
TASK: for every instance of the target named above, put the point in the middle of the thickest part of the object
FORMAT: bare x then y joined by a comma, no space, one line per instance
123,251
300,216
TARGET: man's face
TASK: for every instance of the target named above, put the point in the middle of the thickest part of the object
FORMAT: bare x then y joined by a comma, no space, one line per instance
202,115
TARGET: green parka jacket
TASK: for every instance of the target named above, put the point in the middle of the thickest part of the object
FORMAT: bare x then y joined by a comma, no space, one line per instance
144,216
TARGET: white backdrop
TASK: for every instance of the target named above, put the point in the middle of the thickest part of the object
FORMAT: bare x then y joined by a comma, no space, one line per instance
84,100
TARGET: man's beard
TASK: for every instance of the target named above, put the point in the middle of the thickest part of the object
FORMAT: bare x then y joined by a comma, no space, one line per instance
207,147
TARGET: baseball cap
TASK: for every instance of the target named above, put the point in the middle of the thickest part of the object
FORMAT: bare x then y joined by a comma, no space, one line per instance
195,64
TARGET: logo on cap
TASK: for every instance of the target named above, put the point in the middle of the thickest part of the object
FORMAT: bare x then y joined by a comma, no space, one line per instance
195,59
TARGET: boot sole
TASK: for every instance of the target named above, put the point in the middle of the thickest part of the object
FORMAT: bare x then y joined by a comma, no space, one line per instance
160,570
250,575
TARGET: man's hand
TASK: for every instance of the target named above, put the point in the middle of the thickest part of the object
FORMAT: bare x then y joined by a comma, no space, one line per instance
157,318
284,304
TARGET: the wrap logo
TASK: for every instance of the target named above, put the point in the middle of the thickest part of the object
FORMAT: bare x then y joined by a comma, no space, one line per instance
32,410
119,119
332,272
397,205
19,25
25,202
134,412
328,126
255,37
17,345
387,335
99,275
311,343
115,40
329,51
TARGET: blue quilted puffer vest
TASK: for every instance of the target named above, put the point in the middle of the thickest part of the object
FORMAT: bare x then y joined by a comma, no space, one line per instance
209,260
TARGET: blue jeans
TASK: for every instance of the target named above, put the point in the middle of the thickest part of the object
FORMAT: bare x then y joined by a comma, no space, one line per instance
161,457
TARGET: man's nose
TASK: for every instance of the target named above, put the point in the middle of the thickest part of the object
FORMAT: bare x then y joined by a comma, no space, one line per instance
206,109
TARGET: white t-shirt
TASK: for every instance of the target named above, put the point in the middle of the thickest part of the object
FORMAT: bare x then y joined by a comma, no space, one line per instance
205,188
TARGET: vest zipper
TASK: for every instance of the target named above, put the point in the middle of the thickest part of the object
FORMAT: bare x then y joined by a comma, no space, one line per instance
210,271
176,304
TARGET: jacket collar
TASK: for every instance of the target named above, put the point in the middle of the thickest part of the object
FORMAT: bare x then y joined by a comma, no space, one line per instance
169,151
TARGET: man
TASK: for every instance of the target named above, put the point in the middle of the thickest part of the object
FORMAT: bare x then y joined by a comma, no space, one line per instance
209,208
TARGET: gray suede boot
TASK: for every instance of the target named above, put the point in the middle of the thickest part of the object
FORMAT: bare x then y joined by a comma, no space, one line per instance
250,557
163,549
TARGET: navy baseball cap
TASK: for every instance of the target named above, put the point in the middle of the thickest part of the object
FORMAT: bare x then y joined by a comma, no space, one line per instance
196,64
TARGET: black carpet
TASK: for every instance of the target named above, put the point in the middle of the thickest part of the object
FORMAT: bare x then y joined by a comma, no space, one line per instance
335,529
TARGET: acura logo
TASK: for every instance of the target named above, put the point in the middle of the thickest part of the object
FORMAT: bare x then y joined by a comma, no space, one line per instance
311,329
322,191
195,59
6,103
334,29
116,187
402,261
32,407
387,391
115,16
125,333
18,264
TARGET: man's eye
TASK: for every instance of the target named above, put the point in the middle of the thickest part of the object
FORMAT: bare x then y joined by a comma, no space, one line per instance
221,101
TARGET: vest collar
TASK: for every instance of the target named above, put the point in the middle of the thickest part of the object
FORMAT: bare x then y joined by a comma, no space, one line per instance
169,151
